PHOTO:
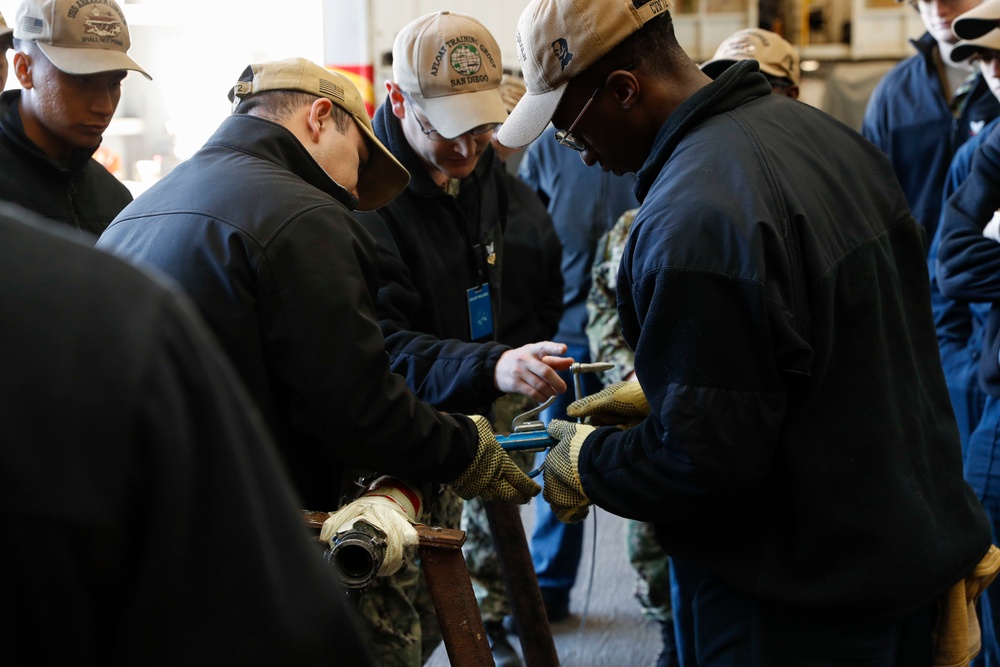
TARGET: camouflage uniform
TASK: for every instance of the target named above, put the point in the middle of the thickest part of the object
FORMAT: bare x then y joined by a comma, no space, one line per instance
603,332
607,344
397,613
391,625
652,587
480,556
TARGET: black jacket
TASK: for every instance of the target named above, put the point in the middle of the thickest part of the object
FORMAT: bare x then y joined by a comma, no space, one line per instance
532,276
137,451
83,195
801,444
264,242
432,249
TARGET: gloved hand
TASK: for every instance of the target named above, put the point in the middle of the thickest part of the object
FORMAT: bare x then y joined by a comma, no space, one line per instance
563,488
621,403
492,475
390,505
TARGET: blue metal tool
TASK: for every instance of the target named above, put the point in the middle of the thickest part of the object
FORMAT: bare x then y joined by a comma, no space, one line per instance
529,434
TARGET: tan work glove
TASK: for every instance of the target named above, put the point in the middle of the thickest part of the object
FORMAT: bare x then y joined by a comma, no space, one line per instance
957,637
390,505
492,475
621,403
563,488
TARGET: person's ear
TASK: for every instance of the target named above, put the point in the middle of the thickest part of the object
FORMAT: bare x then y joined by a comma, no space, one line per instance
23,69
793,92
396,99
624,87
319,114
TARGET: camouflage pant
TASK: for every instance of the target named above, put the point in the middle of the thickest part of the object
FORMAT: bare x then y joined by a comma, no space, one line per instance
397,613
480,555
389,620
652,588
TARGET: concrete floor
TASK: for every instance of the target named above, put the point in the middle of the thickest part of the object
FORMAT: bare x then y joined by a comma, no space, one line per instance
613,632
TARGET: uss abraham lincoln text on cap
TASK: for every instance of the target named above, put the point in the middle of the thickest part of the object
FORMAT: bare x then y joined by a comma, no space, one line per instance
558,40
78,36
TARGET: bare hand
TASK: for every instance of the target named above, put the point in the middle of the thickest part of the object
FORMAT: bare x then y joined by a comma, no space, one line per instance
531,370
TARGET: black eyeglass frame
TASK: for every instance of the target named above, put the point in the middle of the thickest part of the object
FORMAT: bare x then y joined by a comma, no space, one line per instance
565,137
434,135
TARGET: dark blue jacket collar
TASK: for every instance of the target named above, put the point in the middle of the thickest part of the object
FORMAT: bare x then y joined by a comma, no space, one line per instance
736,86
925,46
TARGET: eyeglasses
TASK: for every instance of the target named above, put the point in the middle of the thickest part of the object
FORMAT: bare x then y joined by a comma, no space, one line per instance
434,135
565,137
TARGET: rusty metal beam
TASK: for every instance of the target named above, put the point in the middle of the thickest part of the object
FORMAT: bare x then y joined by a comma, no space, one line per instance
450,589
533,629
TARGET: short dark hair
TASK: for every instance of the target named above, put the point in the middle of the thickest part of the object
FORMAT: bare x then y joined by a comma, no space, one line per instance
653,47
280,105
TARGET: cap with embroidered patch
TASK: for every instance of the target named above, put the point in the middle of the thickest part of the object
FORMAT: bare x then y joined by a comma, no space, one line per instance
977,21
450,65
78,36
556,41
776,56
968,47
383,177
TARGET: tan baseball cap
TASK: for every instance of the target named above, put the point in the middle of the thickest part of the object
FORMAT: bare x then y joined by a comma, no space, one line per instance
78,37
968,47
556,41
450,64
383,177
977,21
776,56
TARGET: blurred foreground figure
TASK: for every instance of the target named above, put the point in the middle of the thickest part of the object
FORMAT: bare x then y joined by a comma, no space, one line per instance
146,517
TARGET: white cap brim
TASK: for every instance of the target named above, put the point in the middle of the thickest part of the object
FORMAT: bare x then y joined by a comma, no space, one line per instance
452,115
967,48
74,60
977,21
530,117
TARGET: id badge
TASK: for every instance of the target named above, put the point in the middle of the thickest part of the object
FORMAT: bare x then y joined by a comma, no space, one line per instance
480,311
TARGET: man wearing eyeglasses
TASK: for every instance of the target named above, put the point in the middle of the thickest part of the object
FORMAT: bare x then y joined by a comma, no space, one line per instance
441,244
792,438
